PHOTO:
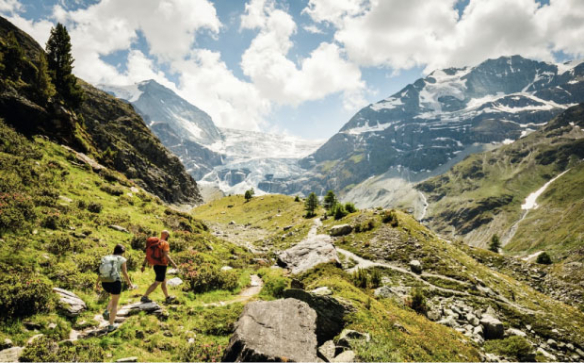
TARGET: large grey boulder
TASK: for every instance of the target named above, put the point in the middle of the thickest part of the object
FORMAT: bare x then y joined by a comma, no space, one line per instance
309,253
11,354
330,312
493,327
69,303
416,266
268,331
340,230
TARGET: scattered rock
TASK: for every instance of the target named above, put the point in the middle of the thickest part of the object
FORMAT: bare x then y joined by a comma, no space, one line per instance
33,338
176,281
449,321
297,284
287,228
309,253
322,291
7,343
340,230
327,351
11,354
65,199
70,303
346,356
172,271
493,327
128,359
513,331
29,325
546,354
348,335
148,308
472,319
226,268
232,223
52,326
552,343
280,330
115,227
416,266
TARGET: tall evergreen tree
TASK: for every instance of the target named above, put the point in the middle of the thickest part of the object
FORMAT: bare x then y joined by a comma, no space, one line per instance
13,58
495,244
311,204
61,66
43,88
330,199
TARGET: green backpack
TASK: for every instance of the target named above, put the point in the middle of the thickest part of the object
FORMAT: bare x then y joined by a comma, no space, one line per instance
108,269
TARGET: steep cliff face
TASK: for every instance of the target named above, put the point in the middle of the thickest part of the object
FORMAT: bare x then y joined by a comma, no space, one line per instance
106,128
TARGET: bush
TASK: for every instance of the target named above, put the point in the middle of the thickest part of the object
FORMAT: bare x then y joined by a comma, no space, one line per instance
60,245
544,259
417,301
54,221
16,212
274,282
360,278
376,277
297,199
338,211
390,217
350,207
112,189
514,347
94,207
81,204
207,277
365,226
24,294
138,242
202,351
249,194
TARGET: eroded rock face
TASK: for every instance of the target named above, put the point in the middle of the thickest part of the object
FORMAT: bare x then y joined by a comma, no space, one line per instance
70,303
280,330
330,312
309,253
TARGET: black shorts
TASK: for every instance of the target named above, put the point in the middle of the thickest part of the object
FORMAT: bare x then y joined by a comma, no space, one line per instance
114,288
160,272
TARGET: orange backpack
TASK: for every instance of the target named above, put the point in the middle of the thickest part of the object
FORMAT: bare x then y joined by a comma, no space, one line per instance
154,251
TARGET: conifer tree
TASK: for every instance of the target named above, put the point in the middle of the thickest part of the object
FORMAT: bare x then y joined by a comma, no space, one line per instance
311,204
330,199
42,87
495,244
61,66
249,194
13,58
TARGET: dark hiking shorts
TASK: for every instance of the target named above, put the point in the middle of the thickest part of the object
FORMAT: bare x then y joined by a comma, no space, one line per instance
160,272
114,288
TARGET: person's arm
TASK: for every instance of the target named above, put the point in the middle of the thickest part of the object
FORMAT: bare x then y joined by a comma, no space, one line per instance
125,273
167,256
144,264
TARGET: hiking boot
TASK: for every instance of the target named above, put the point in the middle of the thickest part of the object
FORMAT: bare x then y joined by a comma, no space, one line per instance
170,299
145,300
106,315
111,328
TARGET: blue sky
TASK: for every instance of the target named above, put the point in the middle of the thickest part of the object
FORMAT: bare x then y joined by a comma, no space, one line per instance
303,67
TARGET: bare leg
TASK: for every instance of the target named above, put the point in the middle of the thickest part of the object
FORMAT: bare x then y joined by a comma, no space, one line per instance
114,309
164,290
152,288
109,304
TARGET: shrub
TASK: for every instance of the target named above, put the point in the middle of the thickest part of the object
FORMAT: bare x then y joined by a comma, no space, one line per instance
376,277
46,196
41,350
81,204
60,245
207,277
138,242
417,301
203,351
338,211
274,282
94,207
544,259
16,212
360,278
350,207
112,189
390,217
365,226
514,347
54,221
249,194
24,294
297,199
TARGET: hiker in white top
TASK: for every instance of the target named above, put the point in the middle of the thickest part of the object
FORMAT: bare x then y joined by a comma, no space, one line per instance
109,274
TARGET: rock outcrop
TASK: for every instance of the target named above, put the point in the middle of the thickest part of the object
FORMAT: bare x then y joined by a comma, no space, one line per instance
309,253
70,303
493,327
268,331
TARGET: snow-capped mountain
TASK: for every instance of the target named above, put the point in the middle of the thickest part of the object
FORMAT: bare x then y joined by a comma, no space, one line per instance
438,119
233,160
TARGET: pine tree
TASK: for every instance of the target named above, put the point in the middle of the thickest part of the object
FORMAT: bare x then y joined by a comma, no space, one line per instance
330,199
495,244
42,87
13,58
61,66
310,205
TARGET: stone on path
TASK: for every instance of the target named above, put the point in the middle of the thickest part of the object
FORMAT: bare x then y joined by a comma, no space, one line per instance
280,330
70,303
11,354
416,266
176,281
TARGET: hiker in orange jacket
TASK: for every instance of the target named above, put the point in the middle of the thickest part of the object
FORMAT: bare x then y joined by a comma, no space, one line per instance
157,255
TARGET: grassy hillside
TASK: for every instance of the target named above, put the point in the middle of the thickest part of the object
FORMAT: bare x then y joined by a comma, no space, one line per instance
482,195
